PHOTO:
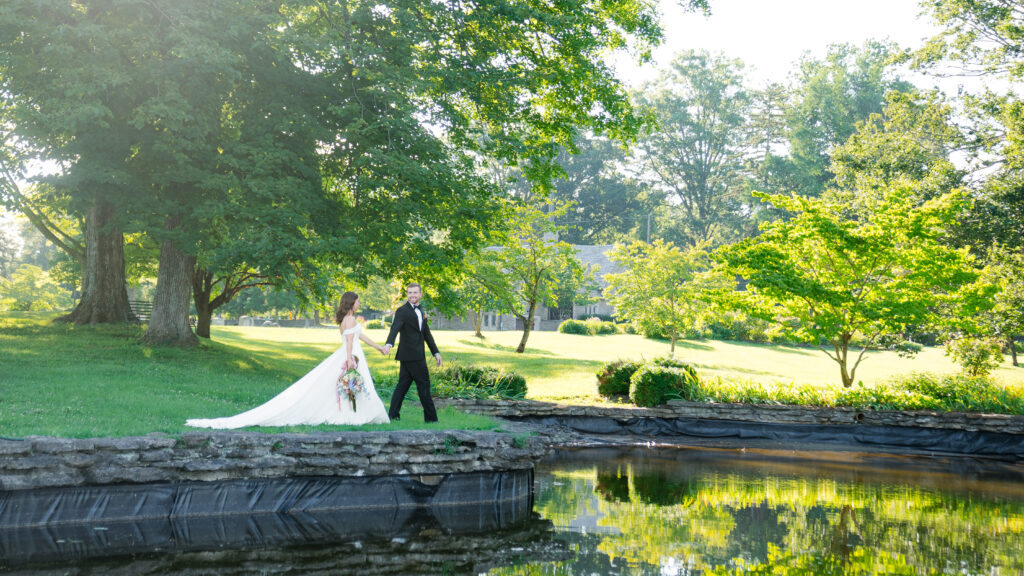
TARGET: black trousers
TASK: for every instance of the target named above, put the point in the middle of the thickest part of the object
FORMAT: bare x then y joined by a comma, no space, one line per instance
409,372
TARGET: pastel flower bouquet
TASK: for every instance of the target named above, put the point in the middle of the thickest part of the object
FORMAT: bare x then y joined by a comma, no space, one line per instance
349,384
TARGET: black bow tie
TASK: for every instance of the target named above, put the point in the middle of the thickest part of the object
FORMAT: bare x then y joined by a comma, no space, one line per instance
415,306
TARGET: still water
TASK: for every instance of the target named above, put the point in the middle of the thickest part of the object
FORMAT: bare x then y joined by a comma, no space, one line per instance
638,511
695,511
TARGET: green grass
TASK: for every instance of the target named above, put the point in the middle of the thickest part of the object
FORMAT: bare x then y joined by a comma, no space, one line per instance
72,381
93,381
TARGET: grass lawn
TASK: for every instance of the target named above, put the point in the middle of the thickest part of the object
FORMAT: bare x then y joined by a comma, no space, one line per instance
94,381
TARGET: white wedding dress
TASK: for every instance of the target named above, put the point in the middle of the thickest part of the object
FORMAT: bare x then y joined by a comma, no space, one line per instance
313,399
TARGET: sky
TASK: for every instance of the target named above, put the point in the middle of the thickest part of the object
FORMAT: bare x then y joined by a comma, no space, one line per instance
770,35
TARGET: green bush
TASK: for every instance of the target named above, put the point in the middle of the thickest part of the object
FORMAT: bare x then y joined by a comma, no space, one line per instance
976,355
597,327
653,385
573,327
459,381
372,324
962,393
613,378
883,398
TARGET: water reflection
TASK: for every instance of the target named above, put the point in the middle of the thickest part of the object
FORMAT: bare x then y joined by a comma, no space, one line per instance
692,511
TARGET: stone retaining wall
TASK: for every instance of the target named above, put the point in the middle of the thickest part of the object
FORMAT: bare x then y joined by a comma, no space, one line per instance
762,413
37,461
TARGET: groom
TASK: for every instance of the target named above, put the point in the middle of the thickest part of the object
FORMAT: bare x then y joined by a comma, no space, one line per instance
412,325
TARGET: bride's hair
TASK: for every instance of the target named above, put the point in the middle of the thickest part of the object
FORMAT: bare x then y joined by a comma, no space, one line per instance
348,299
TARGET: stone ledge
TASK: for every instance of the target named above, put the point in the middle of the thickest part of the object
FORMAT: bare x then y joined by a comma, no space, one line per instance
41,462
762,413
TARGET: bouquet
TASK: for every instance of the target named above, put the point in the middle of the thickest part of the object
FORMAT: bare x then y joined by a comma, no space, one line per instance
349,383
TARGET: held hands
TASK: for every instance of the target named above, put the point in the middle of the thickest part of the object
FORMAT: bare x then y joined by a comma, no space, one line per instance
438,356
386,349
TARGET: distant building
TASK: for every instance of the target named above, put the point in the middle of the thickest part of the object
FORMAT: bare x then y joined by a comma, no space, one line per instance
595,260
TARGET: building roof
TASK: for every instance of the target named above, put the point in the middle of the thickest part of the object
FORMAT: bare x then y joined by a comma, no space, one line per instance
595,258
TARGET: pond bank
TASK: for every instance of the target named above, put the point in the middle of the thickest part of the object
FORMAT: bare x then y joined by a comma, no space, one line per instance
760,425
532,429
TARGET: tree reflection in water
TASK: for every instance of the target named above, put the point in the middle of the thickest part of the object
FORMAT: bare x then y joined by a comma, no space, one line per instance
691,511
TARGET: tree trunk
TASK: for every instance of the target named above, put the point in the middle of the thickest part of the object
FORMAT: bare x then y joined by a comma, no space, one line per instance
202,287
479,323
842,354
168,323
527,327
1013,349
104,297
672,346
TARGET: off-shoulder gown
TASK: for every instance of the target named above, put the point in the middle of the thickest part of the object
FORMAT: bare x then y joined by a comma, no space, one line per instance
313,399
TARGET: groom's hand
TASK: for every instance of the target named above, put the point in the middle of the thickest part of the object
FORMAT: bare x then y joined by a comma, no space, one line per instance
386,350
438,356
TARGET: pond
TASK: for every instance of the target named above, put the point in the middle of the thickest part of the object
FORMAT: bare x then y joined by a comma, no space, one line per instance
655,510
700,511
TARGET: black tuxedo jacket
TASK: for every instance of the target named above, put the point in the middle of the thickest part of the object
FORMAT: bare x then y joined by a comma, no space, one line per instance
410,345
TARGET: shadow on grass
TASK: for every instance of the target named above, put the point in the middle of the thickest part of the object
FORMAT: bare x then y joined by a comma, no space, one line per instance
781,348
502,348
686,344
733,369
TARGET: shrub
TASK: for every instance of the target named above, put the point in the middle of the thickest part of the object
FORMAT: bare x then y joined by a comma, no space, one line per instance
977,356
883,398
590,326
573,327
653,385
372,324
613,378
596,326
963,393
459,381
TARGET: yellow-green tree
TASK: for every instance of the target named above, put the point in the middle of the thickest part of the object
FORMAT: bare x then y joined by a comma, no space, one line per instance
664,289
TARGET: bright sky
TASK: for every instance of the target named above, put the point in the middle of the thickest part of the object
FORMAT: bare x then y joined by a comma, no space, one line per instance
770,35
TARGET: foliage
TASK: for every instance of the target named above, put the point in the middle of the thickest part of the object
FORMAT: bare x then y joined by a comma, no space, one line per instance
977,355
614,377
982,36
463,381
665,289
654,385
590,326
310,141
31,288
605,205
694,155
831,97
573,327
599,327
841,275
962,393
376,324
528,265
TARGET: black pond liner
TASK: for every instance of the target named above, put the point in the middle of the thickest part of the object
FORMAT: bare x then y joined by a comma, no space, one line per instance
63,524
861,436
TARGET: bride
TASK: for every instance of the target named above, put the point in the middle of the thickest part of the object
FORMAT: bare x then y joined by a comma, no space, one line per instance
314,398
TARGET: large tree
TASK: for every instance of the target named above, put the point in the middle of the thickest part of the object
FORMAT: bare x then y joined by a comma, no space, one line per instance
346,134
830,97
606,205
864,275
694,154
